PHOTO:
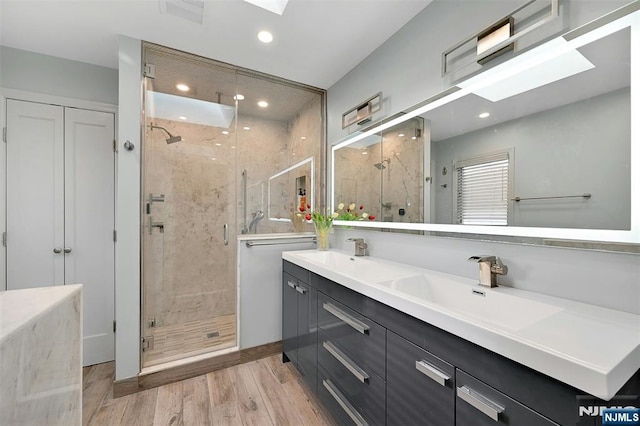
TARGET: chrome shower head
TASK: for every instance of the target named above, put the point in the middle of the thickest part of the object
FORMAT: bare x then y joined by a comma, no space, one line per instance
171,138
379,166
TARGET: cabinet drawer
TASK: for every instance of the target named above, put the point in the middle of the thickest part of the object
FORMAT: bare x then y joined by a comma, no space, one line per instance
479,404
420,386
296,271
362,338
336,403
362,388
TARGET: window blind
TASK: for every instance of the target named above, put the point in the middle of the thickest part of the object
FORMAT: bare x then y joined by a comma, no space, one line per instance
483,190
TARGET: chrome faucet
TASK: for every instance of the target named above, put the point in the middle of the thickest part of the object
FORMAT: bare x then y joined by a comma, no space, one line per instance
490,266
361,246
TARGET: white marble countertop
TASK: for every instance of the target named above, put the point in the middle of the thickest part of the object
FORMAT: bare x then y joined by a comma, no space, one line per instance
591,348
20,307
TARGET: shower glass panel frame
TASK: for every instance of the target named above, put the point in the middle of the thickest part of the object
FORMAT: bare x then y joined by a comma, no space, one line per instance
189,294
198,180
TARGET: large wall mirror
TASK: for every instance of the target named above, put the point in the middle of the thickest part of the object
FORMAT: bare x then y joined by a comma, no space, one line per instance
545,146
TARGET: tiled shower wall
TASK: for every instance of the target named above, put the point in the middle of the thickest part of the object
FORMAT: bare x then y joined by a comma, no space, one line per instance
384,191
271,148
188,271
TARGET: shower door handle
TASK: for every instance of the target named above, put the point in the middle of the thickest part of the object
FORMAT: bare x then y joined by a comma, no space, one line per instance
225,234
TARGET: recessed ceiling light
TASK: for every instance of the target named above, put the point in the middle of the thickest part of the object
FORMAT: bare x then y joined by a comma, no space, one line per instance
239,97
414,138
364,153
233,147
265,36
182,117
213,158
218,144
400,135
484,115
303,138
263,104
293,153
246,128
224,132
182,87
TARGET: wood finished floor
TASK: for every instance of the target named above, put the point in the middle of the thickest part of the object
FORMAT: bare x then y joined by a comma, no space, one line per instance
264,392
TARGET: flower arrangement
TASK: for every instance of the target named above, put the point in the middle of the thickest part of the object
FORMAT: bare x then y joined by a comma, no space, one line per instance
316,217
323,222
351,213
348,213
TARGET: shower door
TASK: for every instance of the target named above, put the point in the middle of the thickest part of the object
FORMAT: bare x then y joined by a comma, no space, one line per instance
188,210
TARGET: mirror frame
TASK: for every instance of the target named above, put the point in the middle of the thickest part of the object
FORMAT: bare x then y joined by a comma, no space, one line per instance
287,170
625,17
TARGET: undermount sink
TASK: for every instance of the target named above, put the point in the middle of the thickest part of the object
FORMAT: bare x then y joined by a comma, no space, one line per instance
475,302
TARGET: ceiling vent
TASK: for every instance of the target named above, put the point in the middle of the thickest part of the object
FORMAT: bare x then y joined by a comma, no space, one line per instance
191,10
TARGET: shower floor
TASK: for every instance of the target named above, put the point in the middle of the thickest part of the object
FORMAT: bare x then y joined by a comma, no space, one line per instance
176,341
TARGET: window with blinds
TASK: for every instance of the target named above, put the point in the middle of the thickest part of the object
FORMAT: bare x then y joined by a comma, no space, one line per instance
483,190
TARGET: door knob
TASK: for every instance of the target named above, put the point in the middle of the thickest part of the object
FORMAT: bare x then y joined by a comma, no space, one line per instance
57,250
67,250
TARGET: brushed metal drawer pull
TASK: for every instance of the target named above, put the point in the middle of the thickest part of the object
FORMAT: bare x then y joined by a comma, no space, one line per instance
301,290
344,404
480,402
432,372
351,321
291,284
346,361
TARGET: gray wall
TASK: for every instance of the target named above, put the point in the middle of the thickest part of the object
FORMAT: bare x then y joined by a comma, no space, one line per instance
407,69
50,75
546,146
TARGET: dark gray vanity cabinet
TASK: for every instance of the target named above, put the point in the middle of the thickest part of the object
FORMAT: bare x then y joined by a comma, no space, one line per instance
299,322
378,365
420,386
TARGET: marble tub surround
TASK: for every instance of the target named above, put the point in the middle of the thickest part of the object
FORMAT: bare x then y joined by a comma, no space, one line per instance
594,349
41,356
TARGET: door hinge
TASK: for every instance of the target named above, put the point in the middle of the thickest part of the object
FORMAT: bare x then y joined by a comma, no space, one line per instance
114,326
115,146
4,239
152,322
4,134
115,236
146,343
149,70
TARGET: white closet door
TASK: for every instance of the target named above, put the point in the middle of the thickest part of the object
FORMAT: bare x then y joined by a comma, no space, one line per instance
89,224
35,195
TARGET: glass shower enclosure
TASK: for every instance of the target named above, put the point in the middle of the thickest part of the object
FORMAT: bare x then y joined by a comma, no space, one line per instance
208,152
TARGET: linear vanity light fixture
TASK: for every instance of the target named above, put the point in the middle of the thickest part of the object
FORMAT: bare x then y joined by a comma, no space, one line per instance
492,37
500,37
363,112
